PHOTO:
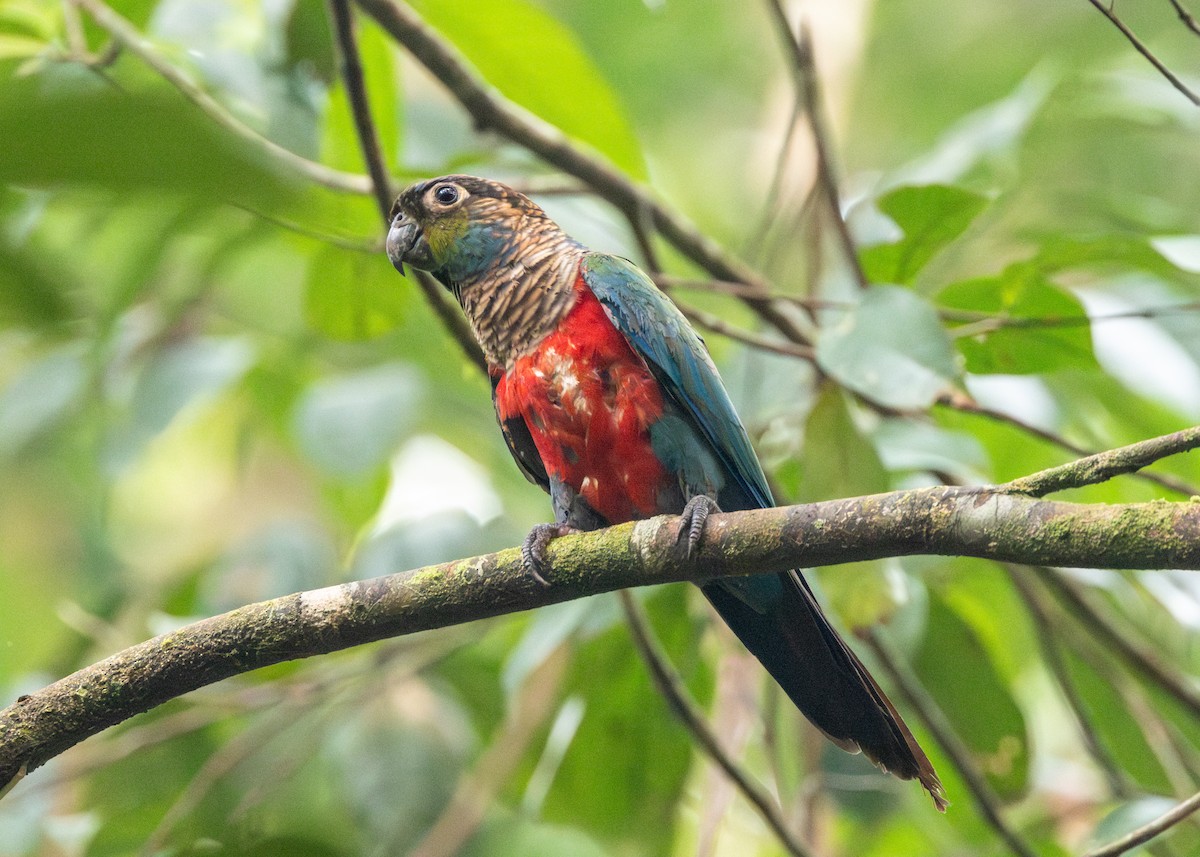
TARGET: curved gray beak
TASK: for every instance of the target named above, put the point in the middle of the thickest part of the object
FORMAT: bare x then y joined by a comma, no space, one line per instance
401,237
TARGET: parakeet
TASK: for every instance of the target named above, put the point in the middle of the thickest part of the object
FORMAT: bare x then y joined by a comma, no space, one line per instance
609,401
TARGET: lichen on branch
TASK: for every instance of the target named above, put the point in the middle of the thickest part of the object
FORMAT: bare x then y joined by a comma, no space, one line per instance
979,522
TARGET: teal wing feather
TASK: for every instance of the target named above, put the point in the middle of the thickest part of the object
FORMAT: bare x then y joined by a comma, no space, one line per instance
775,615
659,333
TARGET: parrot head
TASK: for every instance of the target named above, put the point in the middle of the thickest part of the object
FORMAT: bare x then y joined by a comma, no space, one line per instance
456,227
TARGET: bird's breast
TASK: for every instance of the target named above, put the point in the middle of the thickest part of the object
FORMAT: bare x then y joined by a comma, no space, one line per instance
589,402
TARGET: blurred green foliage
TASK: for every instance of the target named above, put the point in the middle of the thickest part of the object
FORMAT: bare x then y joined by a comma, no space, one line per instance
214,390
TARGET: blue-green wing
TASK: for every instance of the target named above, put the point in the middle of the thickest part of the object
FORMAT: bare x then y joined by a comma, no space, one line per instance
775,615
659,333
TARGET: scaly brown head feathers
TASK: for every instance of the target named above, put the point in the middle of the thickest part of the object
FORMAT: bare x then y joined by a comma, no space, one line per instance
510,266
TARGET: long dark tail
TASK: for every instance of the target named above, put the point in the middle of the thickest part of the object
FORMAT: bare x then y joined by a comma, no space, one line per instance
815,667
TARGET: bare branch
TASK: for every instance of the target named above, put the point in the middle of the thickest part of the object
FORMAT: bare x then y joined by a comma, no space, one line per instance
949,521
1137,655
1148,831
808,89
1044,625
1105,465
1185,16
1141,48
368,139
716,324
961,402
356,89
667,680
939,725
492,112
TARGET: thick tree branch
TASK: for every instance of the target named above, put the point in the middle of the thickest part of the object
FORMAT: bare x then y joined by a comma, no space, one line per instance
980,522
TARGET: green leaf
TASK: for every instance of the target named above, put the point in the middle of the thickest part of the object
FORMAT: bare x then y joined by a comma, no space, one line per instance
19,47
353,296
1116,252
308,39
29,295
41,396
891,348
1016,343
959,673
537,62
181,376
381,751
350,425
838,460
931,216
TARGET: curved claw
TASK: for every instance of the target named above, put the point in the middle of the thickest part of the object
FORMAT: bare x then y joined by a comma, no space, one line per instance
533,549
693,518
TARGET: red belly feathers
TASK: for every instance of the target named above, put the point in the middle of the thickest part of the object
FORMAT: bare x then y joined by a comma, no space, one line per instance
589,401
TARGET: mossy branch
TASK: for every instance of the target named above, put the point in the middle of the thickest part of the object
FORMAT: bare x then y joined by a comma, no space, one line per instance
980,522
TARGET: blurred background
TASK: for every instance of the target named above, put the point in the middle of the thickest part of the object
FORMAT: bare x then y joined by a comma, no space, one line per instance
214,389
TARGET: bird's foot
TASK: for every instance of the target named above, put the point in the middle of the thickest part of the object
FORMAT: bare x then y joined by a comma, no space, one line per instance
693,518
533,549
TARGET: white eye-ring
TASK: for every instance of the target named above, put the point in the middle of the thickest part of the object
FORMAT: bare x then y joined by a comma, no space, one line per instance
446,194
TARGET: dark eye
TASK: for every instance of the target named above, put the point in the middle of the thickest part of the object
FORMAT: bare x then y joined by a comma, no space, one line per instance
446,194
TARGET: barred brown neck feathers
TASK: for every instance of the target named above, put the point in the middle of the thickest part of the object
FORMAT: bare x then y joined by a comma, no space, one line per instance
521,298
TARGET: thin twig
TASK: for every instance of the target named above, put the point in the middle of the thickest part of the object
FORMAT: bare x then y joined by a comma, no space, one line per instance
987,321
718,325
943,732
346,242
1141,48
492,112
220,764
128,35
368,140
981,322
356,90
1136,654
1105,465
670,685
1044,625
77,46
1186,17
1148,831
768,214
960,402
642,226
808,90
